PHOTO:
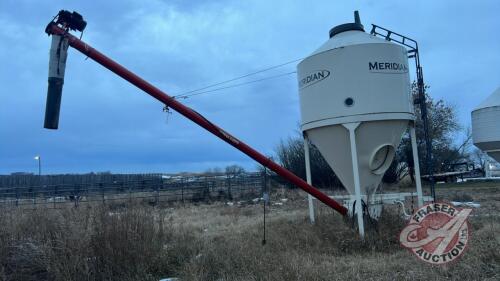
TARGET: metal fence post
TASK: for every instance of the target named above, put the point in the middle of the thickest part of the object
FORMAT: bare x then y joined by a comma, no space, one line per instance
129,193
157,195
182,190
34,197
54,194
101,185
229,194
87,185
76,195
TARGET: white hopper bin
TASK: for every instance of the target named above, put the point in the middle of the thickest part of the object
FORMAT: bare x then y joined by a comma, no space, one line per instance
486,125
355,105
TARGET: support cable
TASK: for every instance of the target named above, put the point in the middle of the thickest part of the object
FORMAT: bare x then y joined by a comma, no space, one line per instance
233,86
237,78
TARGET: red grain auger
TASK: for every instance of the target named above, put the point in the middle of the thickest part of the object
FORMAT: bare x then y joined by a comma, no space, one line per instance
60,29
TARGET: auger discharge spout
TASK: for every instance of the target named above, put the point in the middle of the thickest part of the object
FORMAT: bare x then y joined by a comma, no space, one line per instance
57,66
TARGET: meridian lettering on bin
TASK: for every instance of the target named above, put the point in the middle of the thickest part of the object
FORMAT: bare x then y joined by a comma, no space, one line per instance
313,78
387,67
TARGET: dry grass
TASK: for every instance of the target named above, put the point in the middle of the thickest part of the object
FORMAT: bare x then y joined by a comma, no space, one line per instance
220,242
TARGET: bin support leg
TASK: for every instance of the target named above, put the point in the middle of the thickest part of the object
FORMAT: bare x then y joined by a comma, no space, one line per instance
355,170
416,165
308,178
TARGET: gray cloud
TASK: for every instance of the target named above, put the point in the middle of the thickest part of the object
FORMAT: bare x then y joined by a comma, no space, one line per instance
107,124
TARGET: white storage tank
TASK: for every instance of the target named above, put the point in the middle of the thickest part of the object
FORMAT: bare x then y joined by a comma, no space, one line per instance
356,77
486,125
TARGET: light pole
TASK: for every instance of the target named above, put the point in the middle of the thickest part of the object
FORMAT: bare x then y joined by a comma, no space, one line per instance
39,159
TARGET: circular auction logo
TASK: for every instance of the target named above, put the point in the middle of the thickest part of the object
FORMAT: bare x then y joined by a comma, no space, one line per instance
437,233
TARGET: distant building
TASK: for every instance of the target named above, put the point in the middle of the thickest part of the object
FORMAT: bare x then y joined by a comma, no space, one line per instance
21,174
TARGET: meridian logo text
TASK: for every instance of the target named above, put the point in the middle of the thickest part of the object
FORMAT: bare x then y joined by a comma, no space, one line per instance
313,78
387,67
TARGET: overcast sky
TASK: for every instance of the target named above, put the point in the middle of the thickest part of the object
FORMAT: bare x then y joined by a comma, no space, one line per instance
107,124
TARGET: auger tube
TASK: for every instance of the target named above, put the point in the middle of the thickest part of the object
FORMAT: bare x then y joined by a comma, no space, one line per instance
54,29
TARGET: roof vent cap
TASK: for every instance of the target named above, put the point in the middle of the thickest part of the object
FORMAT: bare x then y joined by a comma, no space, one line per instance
356,25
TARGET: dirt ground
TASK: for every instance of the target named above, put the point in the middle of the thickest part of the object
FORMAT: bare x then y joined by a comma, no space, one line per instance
223,241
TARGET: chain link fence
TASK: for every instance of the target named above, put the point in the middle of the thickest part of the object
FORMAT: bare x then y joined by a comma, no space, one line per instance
56,190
